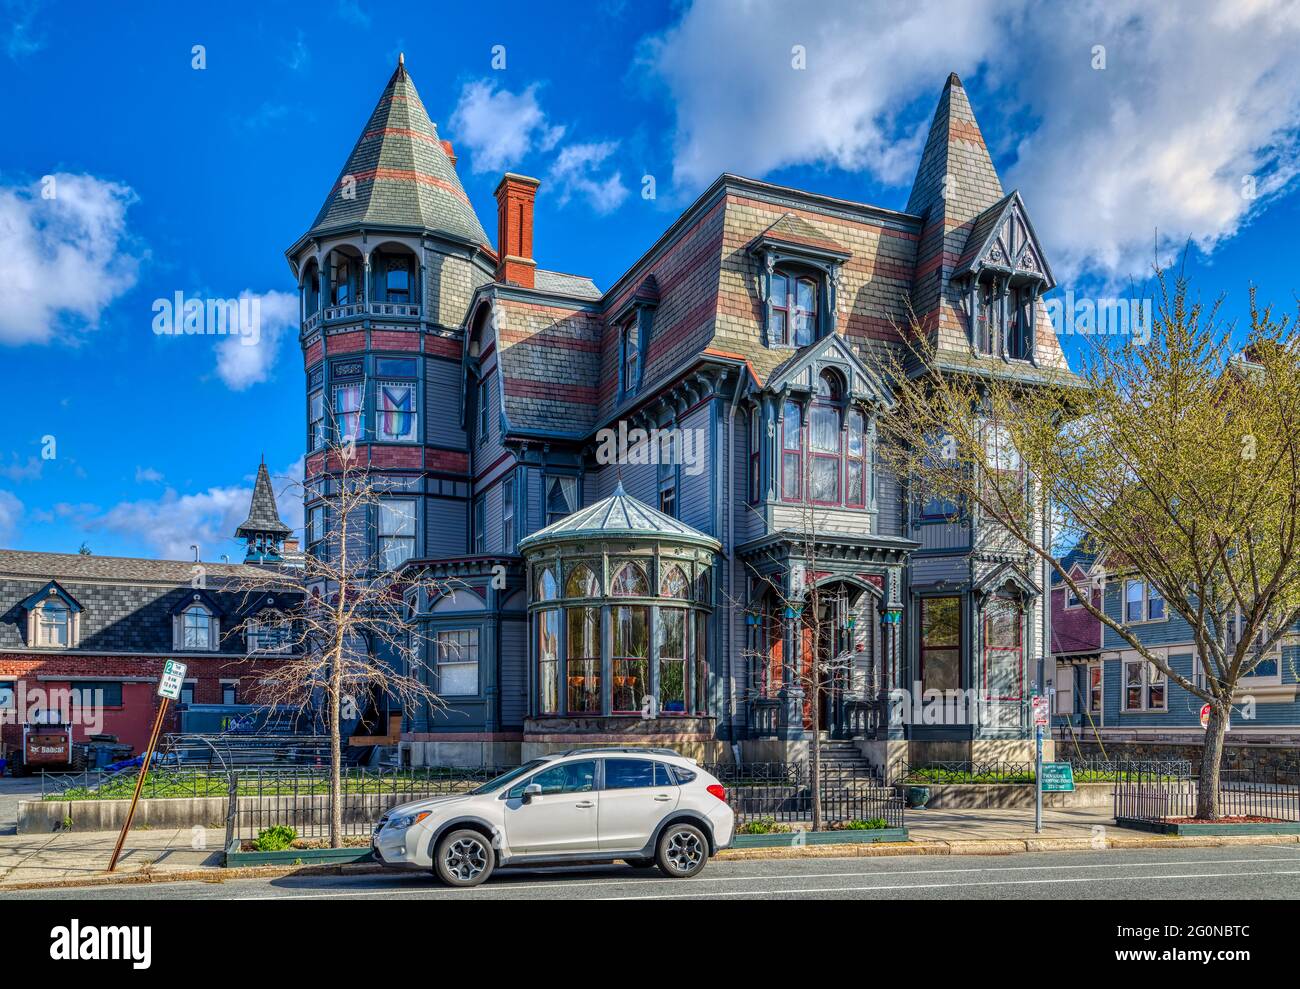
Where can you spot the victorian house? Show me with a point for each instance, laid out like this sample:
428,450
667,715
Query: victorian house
653,597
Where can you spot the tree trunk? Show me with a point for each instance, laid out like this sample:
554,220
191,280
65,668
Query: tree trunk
336,760
1207,795
815,756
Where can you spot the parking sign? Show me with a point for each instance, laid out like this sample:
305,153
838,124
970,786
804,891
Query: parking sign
172,679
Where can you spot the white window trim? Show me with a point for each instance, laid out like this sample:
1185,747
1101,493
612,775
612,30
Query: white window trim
1146,603
34,627
1148,671
178,630
1082,580
439,663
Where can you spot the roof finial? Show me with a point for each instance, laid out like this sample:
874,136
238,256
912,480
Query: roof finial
401,58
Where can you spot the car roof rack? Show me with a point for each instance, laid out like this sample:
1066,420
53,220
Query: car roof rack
635,749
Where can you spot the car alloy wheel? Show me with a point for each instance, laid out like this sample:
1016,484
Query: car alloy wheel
682,851
464,859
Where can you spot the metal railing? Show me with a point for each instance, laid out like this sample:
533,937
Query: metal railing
1243,796
264,797
781,793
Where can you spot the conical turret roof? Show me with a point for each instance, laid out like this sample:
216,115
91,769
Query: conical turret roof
399,174
263,516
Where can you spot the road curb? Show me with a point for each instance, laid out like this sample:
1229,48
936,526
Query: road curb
963,846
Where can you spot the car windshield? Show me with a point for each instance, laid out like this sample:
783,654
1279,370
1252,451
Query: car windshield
510,777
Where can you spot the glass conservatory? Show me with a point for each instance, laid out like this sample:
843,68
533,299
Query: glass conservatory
620,608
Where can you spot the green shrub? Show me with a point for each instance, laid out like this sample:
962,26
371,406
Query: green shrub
857,824
763,825
275,839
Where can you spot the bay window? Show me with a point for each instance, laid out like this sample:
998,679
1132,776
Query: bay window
316,420
824,443
397,413
941,643
347,411
548,661
396,532
456,655
791,451
631,646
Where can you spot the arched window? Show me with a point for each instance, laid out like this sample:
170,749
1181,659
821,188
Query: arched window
196,628
791,451
793,316
397,279
825,442
52,623
855,461
547,588
581,583
673,583
630,582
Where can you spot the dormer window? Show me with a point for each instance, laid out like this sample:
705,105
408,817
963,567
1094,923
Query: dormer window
397,280
792,316
631,356
198,628
53,624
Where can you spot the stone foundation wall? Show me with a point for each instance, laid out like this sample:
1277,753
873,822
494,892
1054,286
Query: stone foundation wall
1248,757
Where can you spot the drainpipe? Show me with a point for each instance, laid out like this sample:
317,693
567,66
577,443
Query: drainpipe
730,507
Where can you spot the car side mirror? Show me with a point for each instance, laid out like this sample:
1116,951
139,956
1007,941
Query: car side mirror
532,790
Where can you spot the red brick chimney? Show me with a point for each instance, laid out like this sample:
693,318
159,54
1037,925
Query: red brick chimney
515,197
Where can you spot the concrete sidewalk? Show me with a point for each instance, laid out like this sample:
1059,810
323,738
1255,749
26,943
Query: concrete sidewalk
71,855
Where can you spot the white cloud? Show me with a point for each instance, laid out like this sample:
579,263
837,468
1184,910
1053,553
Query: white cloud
22,470
18,38
246,360
147,475
11,510
352,13
170,524
66,257
500,127
574,171
1195,98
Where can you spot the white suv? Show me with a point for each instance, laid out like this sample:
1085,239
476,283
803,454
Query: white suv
644,806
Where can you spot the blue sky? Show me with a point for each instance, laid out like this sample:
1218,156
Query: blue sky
171,178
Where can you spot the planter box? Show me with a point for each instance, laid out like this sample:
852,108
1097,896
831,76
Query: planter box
1166,827
966,796
296,856
795,839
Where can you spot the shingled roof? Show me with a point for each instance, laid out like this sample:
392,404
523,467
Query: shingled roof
263,516
402,172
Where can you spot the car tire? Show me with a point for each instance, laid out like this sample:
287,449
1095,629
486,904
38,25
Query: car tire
463,858
682,851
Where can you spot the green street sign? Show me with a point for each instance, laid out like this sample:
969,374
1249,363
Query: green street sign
1058,777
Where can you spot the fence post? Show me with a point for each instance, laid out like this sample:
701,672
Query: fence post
232,806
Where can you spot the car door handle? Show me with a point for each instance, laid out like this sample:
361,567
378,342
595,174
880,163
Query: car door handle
584,805
662,796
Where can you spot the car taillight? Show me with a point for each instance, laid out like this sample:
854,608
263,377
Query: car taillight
718,790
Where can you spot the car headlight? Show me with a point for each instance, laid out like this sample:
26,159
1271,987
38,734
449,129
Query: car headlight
406,821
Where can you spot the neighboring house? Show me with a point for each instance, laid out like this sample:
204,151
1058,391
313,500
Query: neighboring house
593,599
1076,643
102,627
1121,702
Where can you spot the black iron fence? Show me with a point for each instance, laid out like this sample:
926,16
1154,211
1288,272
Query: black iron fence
1151,796
779,794
1084,770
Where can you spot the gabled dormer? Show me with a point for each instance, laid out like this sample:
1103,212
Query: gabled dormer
798,281
196,622
1003,272
53,618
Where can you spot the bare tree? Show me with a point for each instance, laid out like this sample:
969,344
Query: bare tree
1177,456
349,635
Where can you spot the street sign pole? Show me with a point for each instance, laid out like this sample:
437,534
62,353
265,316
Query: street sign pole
1038,780
139,783
169,689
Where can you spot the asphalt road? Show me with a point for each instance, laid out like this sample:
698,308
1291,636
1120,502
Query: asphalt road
1244,872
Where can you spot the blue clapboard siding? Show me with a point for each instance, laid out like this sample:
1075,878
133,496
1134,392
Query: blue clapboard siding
695,483
444,403
446,526
514,675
